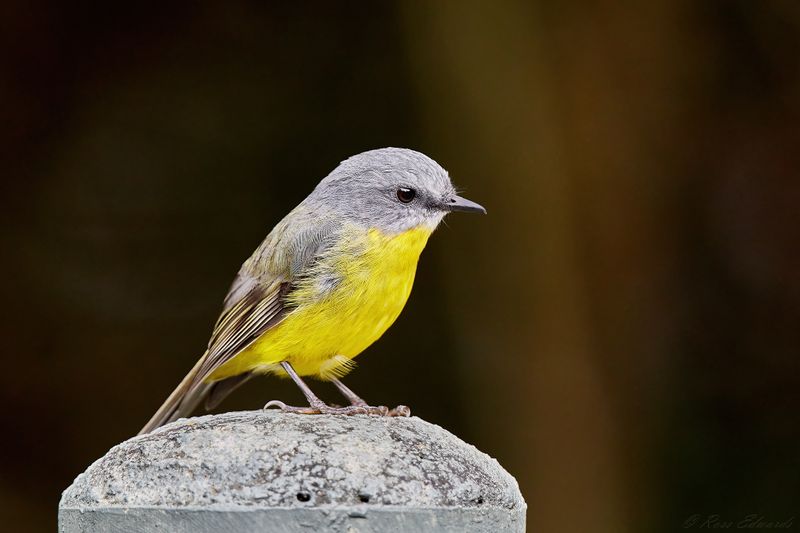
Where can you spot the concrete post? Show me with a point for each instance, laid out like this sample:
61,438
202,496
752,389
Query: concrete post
274,472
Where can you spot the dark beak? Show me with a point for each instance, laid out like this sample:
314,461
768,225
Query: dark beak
457,203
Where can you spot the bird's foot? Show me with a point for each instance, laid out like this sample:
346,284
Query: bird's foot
400,410
382,410
324,409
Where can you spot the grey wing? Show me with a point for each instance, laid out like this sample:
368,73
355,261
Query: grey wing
256,302
257,311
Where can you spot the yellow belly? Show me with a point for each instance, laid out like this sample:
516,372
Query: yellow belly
322,334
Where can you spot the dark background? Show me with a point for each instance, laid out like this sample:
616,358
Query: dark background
622,331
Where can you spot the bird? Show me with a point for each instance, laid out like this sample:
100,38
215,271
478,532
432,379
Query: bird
327,281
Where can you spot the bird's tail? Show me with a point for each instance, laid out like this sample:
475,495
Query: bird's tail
183,400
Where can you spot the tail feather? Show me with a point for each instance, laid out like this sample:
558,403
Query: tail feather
183,400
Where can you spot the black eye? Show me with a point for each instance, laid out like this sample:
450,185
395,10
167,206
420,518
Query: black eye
405,195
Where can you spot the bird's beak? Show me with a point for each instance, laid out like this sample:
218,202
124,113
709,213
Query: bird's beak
457,203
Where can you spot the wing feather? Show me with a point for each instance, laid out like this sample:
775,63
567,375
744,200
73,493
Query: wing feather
256,302
258,311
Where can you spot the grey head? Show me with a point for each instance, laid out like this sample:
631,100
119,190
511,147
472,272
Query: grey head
391,189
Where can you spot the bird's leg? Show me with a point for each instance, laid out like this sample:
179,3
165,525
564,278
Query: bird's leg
356,400
313,401
315,405
351,396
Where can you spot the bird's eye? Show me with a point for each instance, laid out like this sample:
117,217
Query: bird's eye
405,195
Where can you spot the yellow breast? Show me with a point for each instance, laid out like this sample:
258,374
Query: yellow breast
345,304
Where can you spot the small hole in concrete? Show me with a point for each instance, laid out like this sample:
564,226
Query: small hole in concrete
303,496
363,498
479,501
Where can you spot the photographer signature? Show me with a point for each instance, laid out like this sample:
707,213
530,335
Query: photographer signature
750,521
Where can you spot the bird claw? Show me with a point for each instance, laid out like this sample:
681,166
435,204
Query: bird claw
317,409
290,408
400,410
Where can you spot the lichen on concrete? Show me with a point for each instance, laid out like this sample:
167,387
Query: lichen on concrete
269,460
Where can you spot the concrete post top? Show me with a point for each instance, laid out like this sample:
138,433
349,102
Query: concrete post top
269,460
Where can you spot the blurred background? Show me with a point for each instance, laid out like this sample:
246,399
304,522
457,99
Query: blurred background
622,331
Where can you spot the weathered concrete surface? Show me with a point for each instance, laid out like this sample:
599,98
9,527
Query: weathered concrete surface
271,471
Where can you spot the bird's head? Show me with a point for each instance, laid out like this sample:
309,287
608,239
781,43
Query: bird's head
392,189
